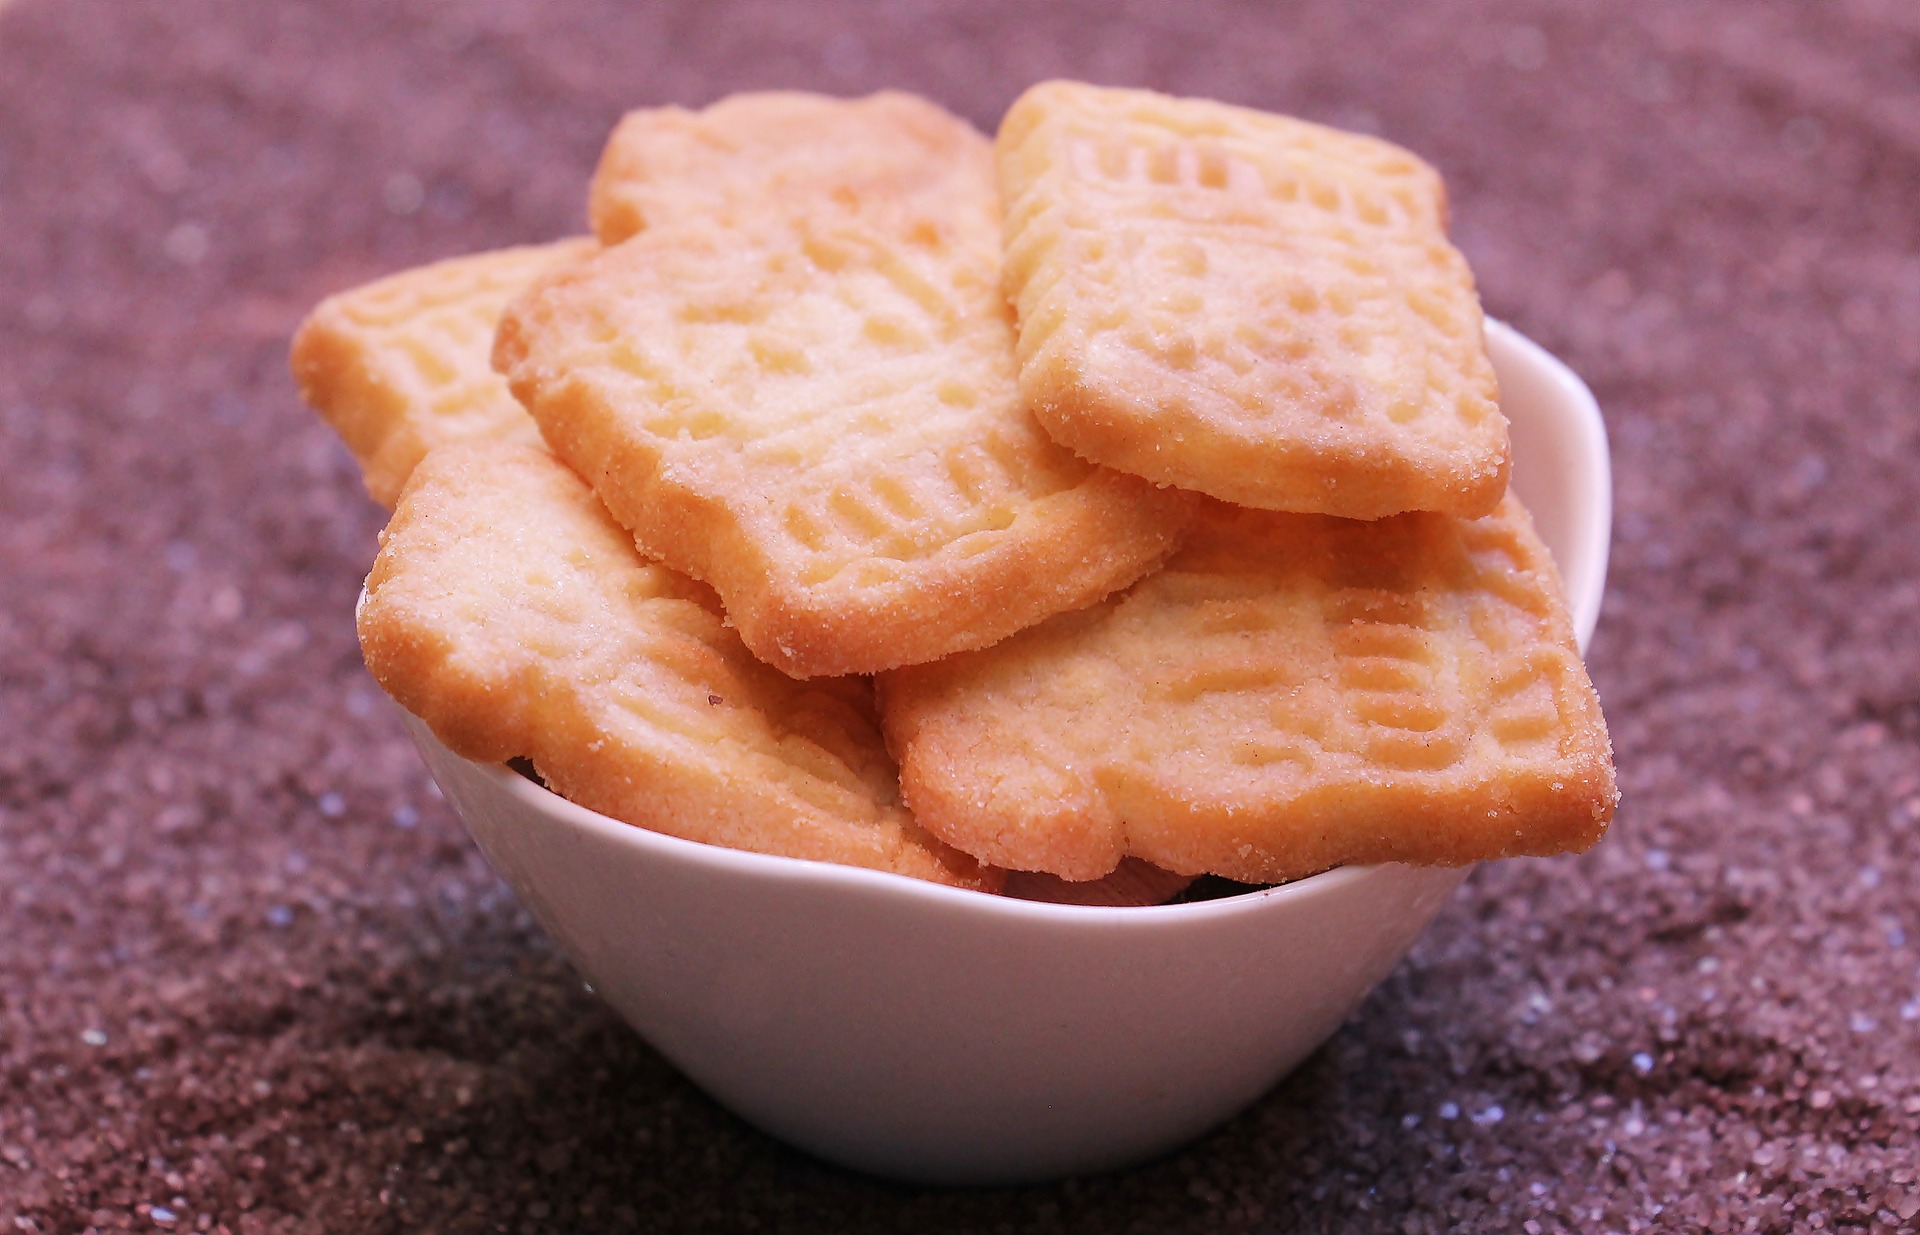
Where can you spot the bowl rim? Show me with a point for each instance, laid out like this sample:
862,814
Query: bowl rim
1587,428
747,864
1584,425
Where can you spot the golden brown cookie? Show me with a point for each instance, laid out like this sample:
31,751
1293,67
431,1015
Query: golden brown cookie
1245,304
751,151
401,365
1292,693
513,616
816,412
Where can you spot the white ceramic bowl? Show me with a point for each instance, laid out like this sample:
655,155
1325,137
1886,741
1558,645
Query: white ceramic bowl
938,1035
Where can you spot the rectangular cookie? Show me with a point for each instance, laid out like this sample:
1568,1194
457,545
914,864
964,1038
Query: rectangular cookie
513,616
402,365
666,164
814,409
1262,309
1291,693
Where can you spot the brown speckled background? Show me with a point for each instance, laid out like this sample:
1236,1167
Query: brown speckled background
254,978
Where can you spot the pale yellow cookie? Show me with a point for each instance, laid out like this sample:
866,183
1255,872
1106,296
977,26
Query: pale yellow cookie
513,616
817,414
1291,693
400,366
1262,309
751,151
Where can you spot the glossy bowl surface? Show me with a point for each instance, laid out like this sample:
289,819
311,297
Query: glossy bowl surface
944,1036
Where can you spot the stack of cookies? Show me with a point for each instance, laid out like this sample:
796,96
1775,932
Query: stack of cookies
1114,502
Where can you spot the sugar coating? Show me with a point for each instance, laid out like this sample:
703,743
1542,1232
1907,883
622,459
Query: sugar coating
888,150
401,365
816,411
512,615
1248,305
1292,693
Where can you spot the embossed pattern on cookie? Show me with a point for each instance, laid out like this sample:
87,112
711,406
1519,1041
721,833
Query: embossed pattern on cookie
1245,304
402,365
508,611
889,151
1291,693
819,416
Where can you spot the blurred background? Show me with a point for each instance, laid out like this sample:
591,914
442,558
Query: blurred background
254,978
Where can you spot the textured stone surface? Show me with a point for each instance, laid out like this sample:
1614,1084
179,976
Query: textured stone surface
252,975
